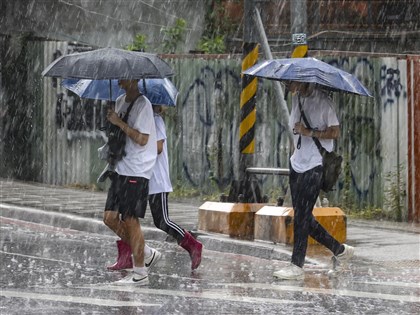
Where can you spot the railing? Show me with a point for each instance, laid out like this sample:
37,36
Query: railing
268,171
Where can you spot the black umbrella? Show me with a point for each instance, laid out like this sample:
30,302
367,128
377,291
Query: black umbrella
109,63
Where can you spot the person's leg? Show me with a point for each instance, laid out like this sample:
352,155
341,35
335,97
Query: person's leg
304,197
133,204
318,233
112,220
135,239
159,208
111,216
305,188
124,258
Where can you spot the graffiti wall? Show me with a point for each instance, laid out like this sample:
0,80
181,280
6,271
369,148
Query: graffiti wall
206,128
70,128
377,141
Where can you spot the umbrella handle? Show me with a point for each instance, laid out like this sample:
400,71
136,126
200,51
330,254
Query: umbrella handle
111,105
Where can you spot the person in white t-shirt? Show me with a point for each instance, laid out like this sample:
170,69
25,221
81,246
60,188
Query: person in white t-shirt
159,188
306,169
127,196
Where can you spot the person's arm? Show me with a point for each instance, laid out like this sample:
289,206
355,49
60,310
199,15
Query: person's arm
332,132
160,146
135,135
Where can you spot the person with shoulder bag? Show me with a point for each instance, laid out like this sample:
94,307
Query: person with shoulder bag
128,194
159,188
306,177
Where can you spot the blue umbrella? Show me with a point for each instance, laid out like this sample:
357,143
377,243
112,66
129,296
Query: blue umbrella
158,91
309,70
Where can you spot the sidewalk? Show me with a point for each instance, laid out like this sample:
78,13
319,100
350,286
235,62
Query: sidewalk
381,242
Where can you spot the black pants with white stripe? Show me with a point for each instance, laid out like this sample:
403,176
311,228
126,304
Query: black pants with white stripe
159,207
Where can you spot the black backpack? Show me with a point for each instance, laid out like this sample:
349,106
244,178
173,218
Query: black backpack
117,139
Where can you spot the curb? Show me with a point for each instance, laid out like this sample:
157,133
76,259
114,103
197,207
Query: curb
386,225
220,243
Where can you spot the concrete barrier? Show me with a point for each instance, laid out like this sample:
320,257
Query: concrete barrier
233,219
276,223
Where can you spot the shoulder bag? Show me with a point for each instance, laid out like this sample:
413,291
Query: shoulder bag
331,161
116,140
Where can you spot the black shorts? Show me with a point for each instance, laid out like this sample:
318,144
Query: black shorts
128,195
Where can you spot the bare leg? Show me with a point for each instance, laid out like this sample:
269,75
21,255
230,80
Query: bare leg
136,240
112,220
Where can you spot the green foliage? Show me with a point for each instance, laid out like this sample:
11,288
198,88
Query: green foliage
348,199
218,26
182,191
217,21
395,194
174,36
394,198
346,193
214,45
369,213
89,187
139,43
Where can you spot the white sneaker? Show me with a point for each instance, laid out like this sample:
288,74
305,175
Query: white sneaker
346,255
136,279
340,261
150,261
291,272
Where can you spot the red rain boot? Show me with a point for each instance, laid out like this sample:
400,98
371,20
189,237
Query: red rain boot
124,260
194,248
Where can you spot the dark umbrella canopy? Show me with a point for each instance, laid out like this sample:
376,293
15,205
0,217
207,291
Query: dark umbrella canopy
109,63
309,70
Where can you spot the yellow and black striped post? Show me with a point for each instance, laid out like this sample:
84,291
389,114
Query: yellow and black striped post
247,189
248,113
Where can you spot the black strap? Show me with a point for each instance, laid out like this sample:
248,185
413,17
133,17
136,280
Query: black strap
305,120
125,118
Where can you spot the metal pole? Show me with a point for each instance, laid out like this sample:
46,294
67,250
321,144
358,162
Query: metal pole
284,111
298,16
298,20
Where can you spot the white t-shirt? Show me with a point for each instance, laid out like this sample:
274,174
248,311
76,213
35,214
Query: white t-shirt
139,160
160,180
320,113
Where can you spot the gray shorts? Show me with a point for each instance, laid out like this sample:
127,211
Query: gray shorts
128,195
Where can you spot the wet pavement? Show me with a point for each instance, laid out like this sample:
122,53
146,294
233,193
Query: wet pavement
53,262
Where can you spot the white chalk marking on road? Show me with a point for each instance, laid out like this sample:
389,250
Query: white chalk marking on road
350,293
36,257
393,284
175,276
72,299
213,294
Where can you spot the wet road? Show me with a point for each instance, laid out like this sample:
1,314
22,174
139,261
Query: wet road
51,270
